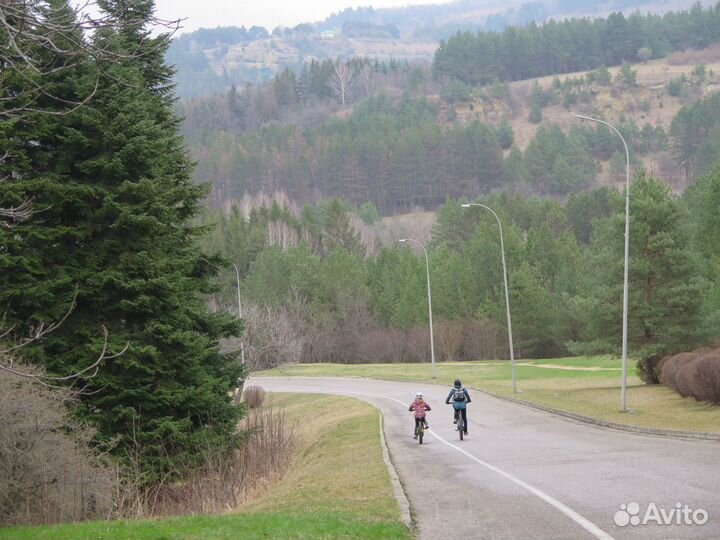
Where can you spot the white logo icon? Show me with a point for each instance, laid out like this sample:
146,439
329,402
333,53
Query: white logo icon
628,513
680,514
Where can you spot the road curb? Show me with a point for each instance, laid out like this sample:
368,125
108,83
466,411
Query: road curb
398,490
668,433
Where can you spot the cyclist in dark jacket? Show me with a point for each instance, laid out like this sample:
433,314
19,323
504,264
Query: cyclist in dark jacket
460,398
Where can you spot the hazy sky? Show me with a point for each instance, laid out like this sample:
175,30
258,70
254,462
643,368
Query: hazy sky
267,13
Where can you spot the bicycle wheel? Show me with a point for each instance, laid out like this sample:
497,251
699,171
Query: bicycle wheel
420,433
461,426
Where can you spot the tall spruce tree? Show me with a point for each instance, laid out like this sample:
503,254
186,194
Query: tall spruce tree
111,185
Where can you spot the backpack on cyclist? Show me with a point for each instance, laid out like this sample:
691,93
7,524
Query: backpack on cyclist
459,394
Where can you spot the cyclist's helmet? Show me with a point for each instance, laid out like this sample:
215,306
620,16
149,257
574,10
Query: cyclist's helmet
418,394
458,384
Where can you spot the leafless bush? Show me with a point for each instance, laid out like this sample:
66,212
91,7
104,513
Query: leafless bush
417,226
49,472
448,340
382,345
417,344
480,341
254,396
227,479
353,343
273,336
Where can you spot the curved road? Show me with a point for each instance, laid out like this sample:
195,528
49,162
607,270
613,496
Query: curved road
525,474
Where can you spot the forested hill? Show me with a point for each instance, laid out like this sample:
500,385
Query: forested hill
211,60
574,45
401,136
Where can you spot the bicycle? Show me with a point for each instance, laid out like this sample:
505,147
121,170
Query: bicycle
460,423
420,431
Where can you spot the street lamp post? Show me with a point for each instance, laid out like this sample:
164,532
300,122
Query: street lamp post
623,391
507,293
427,271
242,348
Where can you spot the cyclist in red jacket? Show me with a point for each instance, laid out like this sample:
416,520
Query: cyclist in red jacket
420,407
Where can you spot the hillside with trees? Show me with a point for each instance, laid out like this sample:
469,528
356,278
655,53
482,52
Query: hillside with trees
303,167
313,294
404,140
211,60
574,45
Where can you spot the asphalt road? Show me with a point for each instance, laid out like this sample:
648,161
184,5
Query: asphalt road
526,474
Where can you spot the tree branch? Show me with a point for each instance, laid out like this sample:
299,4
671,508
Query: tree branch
42,331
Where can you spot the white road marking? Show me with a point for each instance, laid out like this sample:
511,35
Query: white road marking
586,524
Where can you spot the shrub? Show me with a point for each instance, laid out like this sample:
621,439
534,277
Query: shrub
368,213
695,374
647,369
644,54
706,385
699,71
602,76
675,87
49,469
254,396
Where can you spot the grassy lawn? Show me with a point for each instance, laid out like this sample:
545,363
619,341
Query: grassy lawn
338,487
589,386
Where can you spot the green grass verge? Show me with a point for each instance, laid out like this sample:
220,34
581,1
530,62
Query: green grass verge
589,386
275,525
338,487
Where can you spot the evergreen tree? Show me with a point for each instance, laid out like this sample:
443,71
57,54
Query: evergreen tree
115,199
665,285
535,319
703,198
505,134
337,231
535,115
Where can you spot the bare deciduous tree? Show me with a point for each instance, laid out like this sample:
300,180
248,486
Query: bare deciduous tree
282,235
272,336
49,471
366,80
341,81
